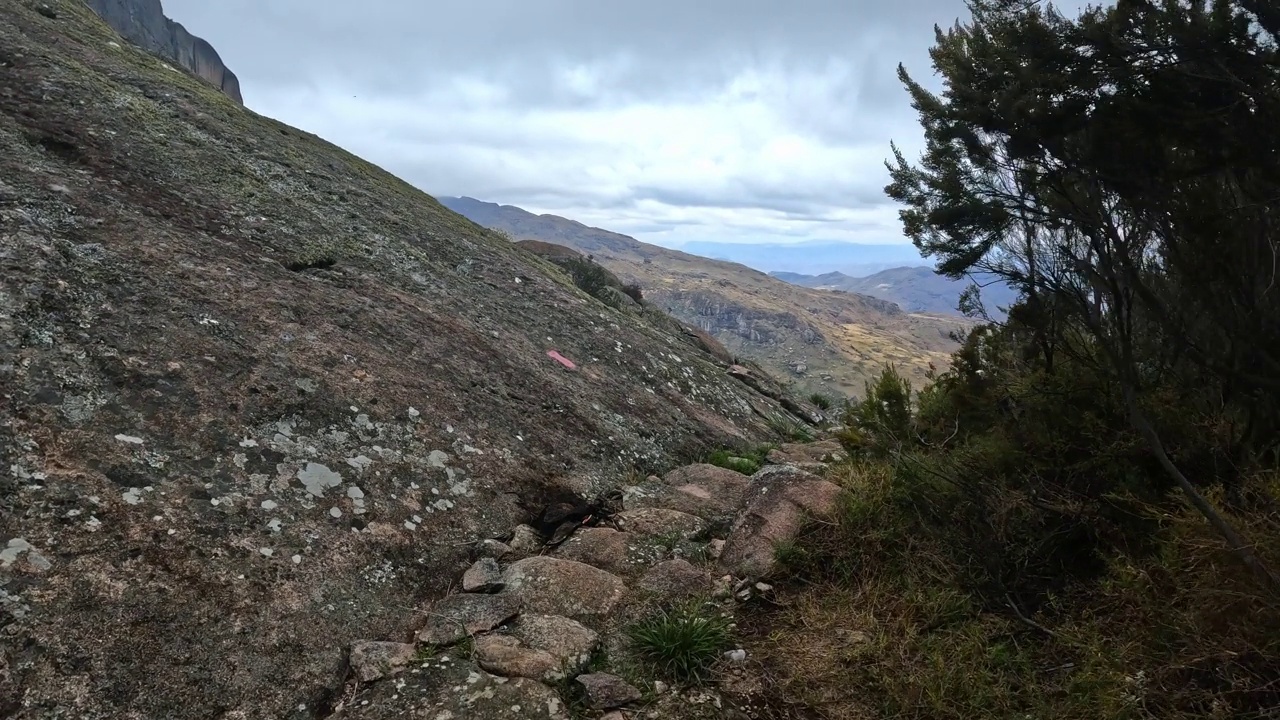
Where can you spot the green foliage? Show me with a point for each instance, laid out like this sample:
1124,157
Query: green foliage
746,460
1014,545
682,643
881,422
820,401
594,279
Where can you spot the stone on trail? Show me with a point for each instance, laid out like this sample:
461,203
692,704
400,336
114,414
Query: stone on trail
372,660
449,688
783,497
620,553
459,616
656,522
541,647
707,491
605,691
554,586
677,579
483,577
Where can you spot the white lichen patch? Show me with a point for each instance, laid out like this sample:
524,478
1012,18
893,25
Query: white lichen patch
131,439
317,478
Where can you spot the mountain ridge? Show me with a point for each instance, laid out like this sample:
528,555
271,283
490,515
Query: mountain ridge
914,288
829,343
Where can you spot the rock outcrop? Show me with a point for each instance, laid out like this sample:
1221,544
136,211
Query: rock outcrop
260,401
143,23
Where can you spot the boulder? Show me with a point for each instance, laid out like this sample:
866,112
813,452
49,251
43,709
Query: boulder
658,522
555,586
783,496
676,579
542,647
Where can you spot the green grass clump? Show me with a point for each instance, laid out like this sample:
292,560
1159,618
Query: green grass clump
820,401
745,460
681,643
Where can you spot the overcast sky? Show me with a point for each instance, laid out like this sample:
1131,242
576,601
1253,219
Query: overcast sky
670,120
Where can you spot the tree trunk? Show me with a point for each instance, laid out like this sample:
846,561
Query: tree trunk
1239,546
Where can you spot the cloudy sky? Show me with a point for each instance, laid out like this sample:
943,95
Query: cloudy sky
671,120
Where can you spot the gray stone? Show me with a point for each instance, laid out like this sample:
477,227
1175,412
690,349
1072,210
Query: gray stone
605,691
660,522
561,587
542,647
784,498
372,660
677,578
525,539
483,577
459,616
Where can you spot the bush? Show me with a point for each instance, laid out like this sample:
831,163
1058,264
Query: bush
634,292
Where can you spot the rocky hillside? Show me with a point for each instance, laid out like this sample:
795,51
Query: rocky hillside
821,341
144,23
260,400
914,289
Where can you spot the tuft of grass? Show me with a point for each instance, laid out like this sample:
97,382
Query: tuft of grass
745,460
820,401
790,430
681,643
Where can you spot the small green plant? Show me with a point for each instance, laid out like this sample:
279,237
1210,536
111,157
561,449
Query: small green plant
681,643
789,430
820,401
728,460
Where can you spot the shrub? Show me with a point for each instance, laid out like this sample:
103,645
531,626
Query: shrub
634,292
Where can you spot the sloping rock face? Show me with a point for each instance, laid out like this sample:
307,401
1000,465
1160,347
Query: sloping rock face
260,400
144,23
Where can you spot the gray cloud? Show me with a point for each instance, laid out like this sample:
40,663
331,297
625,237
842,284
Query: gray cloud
674,120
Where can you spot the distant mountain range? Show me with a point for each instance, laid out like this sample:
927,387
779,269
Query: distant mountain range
821,341
815,257
914,289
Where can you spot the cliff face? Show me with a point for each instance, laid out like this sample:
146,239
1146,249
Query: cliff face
143,23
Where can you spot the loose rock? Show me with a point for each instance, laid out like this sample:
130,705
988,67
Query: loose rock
605,691
561,587
459,616
483,577
525,540
372,660
660,521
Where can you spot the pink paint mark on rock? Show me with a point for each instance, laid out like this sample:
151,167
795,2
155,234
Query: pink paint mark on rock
561,359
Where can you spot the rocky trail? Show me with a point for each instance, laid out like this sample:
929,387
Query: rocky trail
535,626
